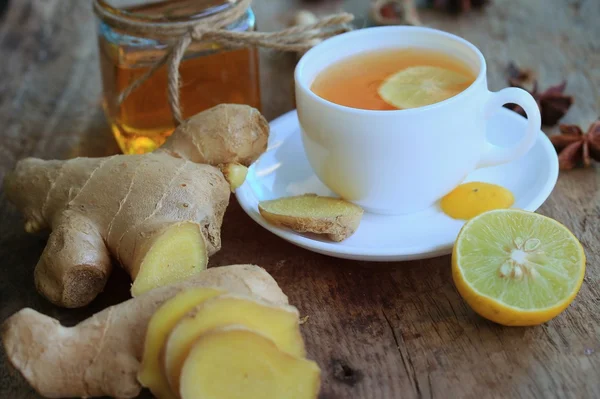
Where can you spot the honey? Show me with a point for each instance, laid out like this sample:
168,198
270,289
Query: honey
210,75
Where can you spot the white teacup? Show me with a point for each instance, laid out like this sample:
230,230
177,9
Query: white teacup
396,162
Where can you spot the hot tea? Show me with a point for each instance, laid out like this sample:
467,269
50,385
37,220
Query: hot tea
393,79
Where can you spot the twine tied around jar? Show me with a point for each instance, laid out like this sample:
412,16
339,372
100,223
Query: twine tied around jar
296,39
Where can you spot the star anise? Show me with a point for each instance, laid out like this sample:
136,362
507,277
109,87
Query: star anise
520,77
553,103
458,5
575,148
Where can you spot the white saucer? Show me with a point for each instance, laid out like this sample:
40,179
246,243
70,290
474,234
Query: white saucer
283,170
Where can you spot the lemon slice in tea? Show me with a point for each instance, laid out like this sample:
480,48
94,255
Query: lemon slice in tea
517,268
422,85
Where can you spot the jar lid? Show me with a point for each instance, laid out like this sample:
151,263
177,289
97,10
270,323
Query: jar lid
176,16
164,11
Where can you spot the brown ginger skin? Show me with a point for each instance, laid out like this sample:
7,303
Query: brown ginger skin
335,218
117,206
101,355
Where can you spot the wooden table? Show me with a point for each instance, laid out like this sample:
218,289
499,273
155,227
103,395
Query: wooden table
377,330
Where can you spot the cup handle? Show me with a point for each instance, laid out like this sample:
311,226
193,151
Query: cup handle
495,155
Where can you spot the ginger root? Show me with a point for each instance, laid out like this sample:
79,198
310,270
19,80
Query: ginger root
336,218
141,209
101,355
277,322
233,362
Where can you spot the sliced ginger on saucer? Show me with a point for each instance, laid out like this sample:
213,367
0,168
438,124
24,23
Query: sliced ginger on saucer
336,218
422,85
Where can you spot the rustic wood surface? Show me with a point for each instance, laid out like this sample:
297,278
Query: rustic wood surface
377,330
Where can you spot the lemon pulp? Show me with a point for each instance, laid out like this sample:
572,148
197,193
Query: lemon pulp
516,267
419,86
471,199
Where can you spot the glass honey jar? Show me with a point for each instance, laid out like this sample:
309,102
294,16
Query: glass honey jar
210,74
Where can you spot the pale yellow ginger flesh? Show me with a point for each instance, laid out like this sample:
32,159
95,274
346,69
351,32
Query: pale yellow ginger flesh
336,218
121,206
159,327
234,362
279,323
101,356
177,253
235,174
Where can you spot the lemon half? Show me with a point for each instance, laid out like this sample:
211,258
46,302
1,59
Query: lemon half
422,85
517,268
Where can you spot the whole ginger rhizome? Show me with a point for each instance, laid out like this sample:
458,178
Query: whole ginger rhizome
158,214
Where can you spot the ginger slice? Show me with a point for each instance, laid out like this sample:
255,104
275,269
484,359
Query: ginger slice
159,327
174,255
336,218
279,323
234,362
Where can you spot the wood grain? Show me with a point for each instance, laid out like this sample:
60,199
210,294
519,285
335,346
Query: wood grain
397,330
